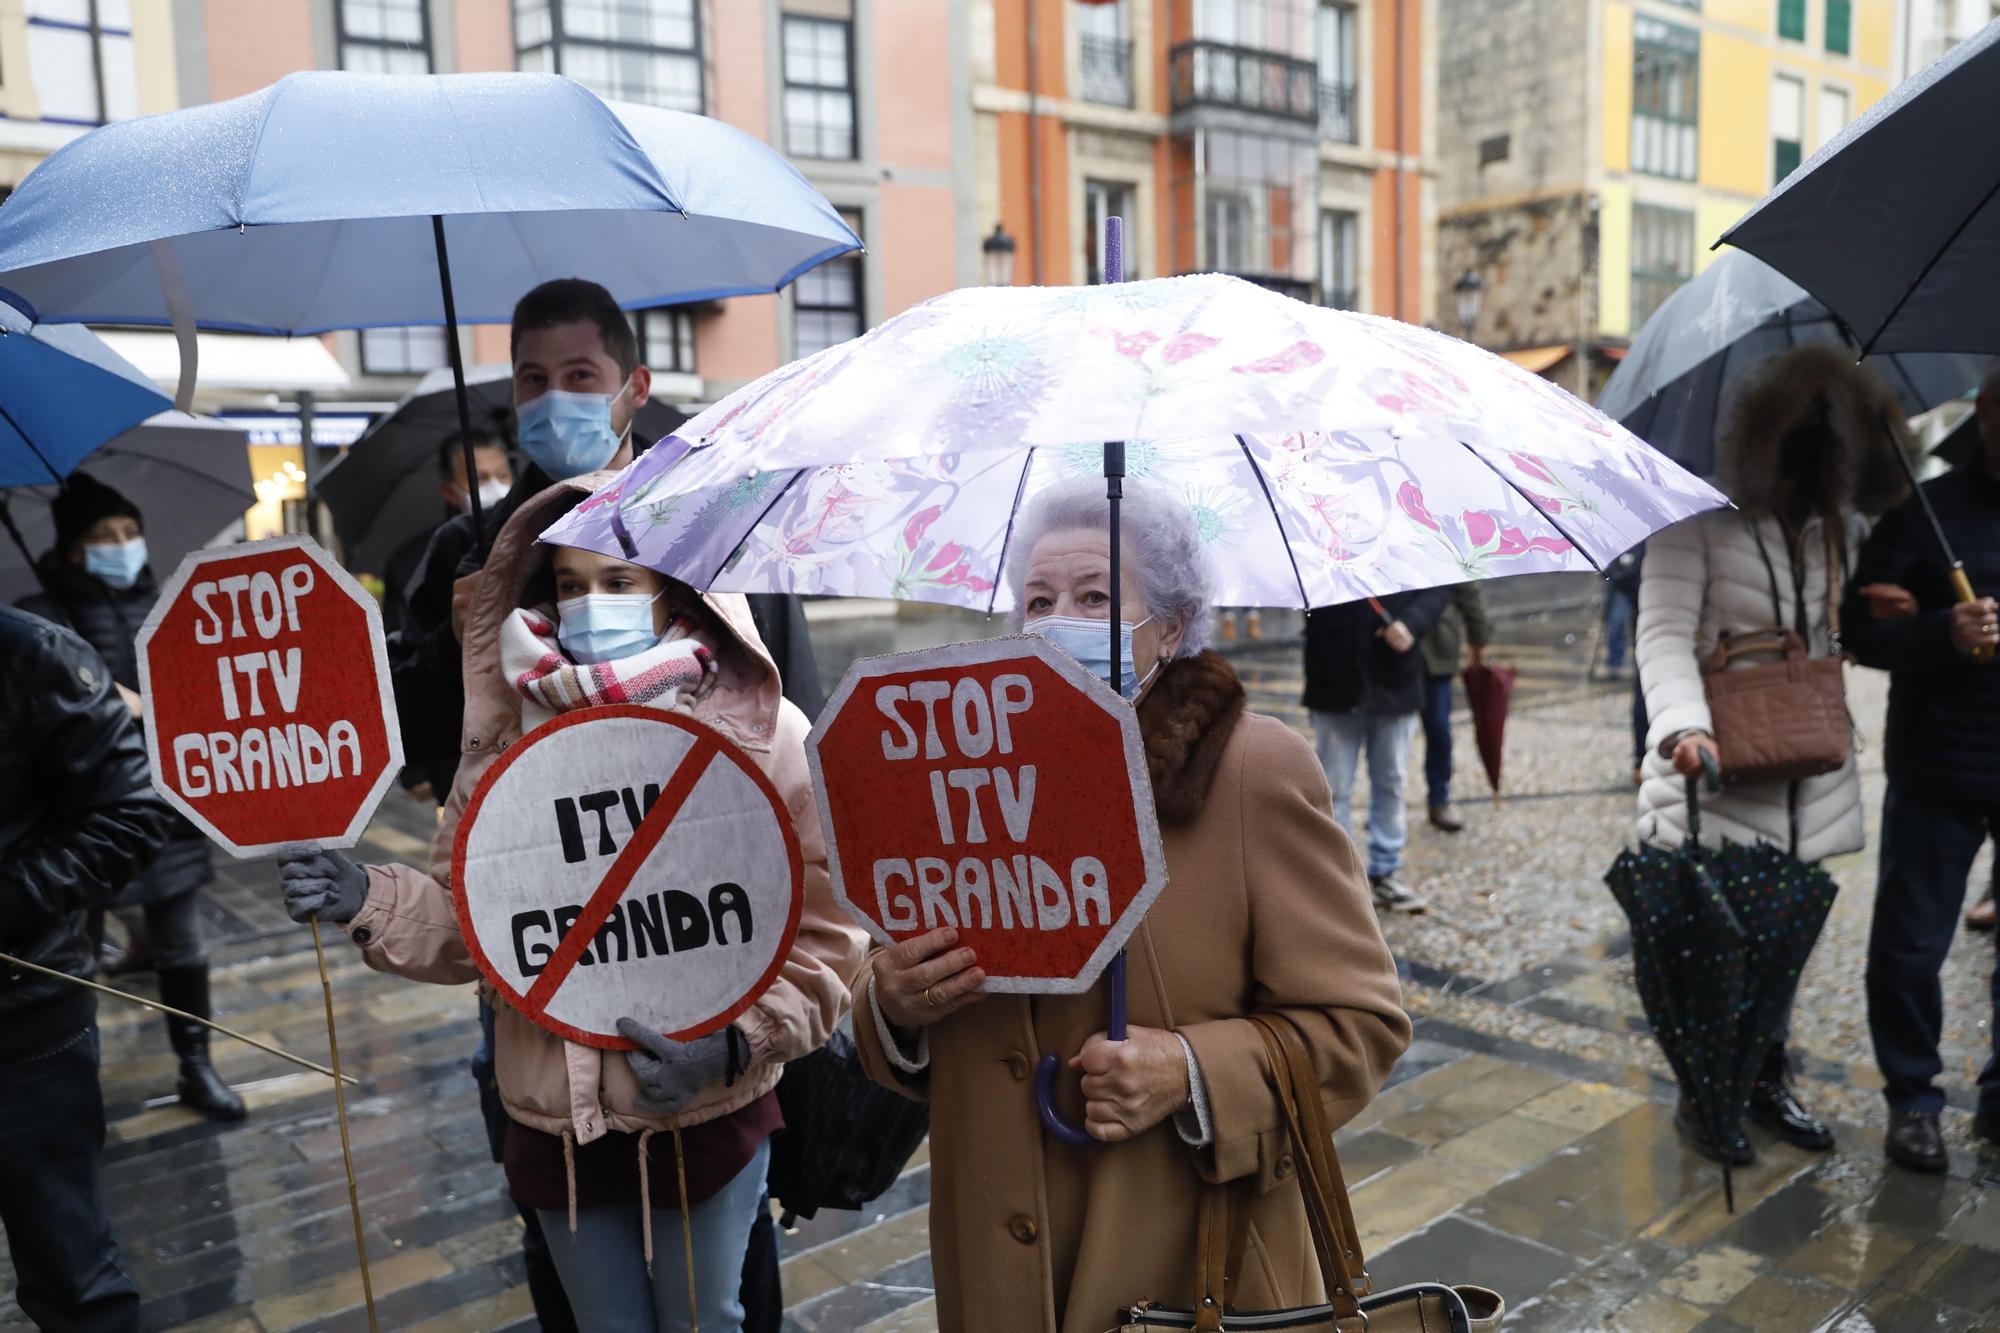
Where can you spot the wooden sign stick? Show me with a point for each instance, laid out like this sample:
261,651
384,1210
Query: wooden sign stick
346,1149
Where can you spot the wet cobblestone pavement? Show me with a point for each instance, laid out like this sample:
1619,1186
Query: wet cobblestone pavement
1526,1141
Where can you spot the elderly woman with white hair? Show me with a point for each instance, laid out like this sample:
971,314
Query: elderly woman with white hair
1266,910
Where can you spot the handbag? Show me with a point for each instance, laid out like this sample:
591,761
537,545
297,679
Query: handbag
846,1137
1787,720
1424,1307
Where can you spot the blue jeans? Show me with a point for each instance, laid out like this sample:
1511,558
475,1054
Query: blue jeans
1928,846
1340,738
51,1200
603,1265
1437,738
1621,613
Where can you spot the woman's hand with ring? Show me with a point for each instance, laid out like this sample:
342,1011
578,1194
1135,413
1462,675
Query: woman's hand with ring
919,981
1129,1086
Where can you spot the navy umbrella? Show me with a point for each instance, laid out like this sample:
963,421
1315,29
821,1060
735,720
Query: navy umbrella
1677,384
62,394
1895,224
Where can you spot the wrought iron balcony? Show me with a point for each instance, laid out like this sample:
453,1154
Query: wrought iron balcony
1105,69
1338,105
1240,78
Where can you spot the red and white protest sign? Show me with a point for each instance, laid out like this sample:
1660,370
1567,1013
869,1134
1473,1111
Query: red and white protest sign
996,787
270,721
623,862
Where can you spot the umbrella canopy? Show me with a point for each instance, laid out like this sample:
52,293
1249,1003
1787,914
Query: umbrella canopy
1488,689
1676,386
893,465
1718,939
1895,224
384,491
62,394
191,476
307,206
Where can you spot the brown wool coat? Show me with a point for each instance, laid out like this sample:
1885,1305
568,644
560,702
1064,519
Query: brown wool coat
1266,907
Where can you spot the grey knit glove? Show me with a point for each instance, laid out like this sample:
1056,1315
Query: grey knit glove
670,1073
321,886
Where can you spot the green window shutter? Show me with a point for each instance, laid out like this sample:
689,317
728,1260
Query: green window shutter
1785,158
1792,19
1839,25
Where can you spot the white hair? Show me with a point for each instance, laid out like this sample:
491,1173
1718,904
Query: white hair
1161,542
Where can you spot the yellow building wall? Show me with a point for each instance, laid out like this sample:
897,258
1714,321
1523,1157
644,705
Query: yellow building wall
1712,217
1749,15
1874,34
1617,84
1735,143
1614,258
153,56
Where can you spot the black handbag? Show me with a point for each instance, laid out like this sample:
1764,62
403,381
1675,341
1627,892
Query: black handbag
846,1137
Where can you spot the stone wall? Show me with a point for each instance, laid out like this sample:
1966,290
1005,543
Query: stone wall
1514,93
1536,260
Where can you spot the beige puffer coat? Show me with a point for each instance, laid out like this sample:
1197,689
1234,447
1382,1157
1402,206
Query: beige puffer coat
409,926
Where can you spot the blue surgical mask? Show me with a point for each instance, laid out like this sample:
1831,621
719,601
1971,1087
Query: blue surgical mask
1089,642
568,434
117,563
605,626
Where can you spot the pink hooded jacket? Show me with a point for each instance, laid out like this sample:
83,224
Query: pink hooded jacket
409,926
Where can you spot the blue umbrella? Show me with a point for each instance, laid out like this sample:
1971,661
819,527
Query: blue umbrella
62,394
326,202
1675,388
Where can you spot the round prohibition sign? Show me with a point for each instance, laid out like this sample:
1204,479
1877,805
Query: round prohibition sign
620,861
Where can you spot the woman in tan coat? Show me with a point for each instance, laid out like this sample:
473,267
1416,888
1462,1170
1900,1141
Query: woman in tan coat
1266,908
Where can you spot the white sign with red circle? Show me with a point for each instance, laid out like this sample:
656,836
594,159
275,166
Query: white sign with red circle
270,720
623,862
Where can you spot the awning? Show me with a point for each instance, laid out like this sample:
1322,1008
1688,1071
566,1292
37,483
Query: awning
234,361
1535,360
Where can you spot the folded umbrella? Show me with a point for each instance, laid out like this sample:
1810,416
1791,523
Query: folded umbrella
846,1137
1718,939
1488,690
191,475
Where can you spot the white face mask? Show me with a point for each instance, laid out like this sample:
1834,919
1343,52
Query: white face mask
1089,642
491,492
605,626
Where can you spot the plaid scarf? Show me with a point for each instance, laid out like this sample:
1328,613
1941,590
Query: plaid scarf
531,658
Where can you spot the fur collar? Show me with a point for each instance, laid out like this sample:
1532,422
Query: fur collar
1788,390
1186,720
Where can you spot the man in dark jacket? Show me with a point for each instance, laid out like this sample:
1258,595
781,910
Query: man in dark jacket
78,818
1364,685
98,581
1464,625
1943,762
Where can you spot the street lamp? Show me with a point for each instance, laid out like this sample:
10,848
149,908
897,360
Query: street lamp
997,254
1470,289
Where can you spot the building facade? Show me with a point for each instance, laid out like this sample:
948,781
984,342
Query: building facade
1287,141
1595,149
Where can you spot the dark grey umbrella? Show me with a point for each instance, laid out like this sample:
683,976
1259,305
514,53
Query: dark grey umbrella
190,476
1678,382
385,490
1895,224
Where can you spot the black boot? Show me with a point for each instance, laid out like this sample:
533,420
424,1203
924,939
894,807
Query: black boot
200,1088
1735,1152
1774,1106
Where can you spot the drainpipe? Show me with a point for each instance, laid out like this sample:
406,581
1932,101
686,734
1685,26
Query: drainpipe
1034,152
1396,247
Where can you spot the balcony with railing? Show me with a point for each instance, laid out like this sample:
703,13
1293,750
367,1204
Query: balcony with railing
1243,79
1339,298
1104,67
1339,107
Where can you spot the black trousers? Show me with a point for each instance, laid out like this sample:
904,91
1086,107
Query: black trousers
1928,846
51,1200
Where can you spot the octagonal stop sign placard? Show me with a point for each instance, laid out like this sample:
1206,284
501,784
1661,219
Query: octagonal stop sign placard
270,720
998,788
621,862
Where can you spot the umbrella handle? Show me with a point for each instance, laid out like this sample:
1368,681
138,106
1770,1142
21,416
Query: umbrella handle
1713,772
1961,587
1045,1073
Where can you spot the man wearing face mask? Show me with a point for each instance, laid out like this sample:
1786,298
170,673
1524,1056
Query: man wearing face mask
96,580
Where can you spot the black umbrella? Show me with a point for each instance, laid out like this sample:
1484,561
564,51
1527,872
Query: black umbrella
1718,940
846,1137
385,491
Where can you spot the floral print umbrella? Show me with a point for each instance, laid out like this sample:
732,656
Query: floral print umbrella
1327,456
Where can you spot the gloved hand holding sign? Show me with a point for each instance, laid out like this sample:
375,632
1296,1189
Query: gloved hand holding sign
671,1072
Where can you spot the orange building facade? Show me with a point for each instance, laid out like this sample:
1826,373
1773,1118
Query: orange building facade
1288,141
